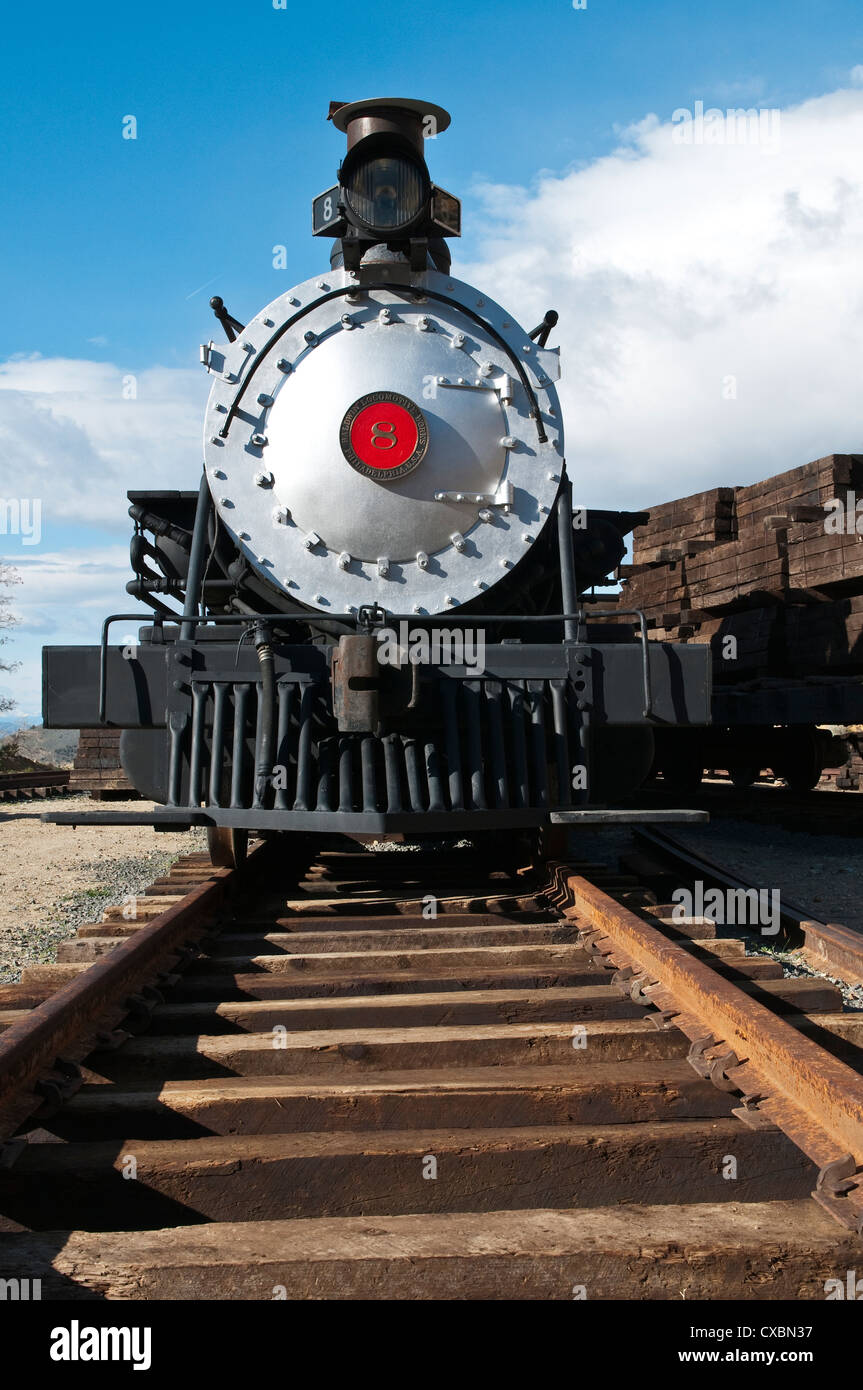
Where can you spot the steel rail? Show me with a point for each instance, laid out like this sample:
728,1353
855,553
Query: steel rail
13,781
826,945
31,1047
810,1095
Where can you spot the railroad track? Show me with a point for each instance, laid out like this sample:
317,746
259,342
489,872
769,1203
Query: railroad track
244,1087
665,863
24,786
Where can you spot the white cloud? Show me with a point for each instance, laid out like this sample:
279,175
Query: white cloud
78,434
857,75
62,599
673,267
676,267
65,591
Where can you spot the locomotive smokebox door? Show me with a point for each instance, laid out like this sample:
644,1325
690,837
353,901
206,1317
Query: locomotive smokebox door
377,442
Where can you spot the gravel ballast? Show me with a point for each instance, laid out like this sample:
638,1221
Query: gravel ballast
823,874
53,878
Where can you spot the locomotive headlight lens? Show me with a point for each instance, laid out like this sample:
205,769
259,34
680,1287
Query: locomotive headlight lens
387,192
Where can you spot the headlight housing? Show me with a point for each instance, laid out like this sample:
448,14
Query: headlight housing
386,192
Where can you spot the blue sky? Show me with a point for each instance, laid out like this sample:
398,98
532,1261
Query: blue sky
111,247
105,238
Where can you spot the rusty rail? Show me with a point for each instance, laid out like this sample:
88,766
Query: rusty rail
783,1076
13,781
36,1045
826,946
16,784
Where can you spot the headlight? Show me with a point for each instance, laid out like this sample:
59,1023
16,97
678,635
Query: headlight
386,192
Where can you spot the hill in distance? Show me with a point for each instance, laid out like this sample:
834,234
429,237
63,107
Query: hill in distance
30,749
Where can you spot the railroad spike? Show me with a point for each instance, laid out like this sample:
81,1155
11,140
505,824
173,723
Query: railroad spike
838,1178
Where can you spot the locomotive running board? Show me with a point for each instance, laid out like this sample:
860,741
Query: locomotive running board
365,822
600,817
327,822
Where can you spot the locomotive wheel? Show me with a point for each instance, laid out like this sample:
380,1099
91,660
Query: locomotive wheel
743,776
800,761
800,779
227,846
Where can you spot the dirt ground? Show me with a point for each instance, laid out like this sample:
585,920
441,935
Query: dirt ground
53,877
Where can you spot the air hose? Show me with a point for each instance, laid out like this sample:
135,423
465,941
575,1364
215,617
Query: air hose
264,768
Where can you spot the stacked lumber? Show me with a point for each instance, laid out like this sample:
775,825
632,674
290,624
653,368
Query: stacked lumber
756,644
827,636
845,779
97,768
754,563
658,590
766,565
848,777
706,518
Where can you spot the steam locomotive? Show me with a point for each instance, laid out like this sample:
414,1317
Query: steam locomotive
375,613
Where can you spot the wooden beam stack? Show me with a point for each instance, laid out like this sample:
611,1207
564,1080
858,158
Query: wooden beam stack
762,564
97,768
706,518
